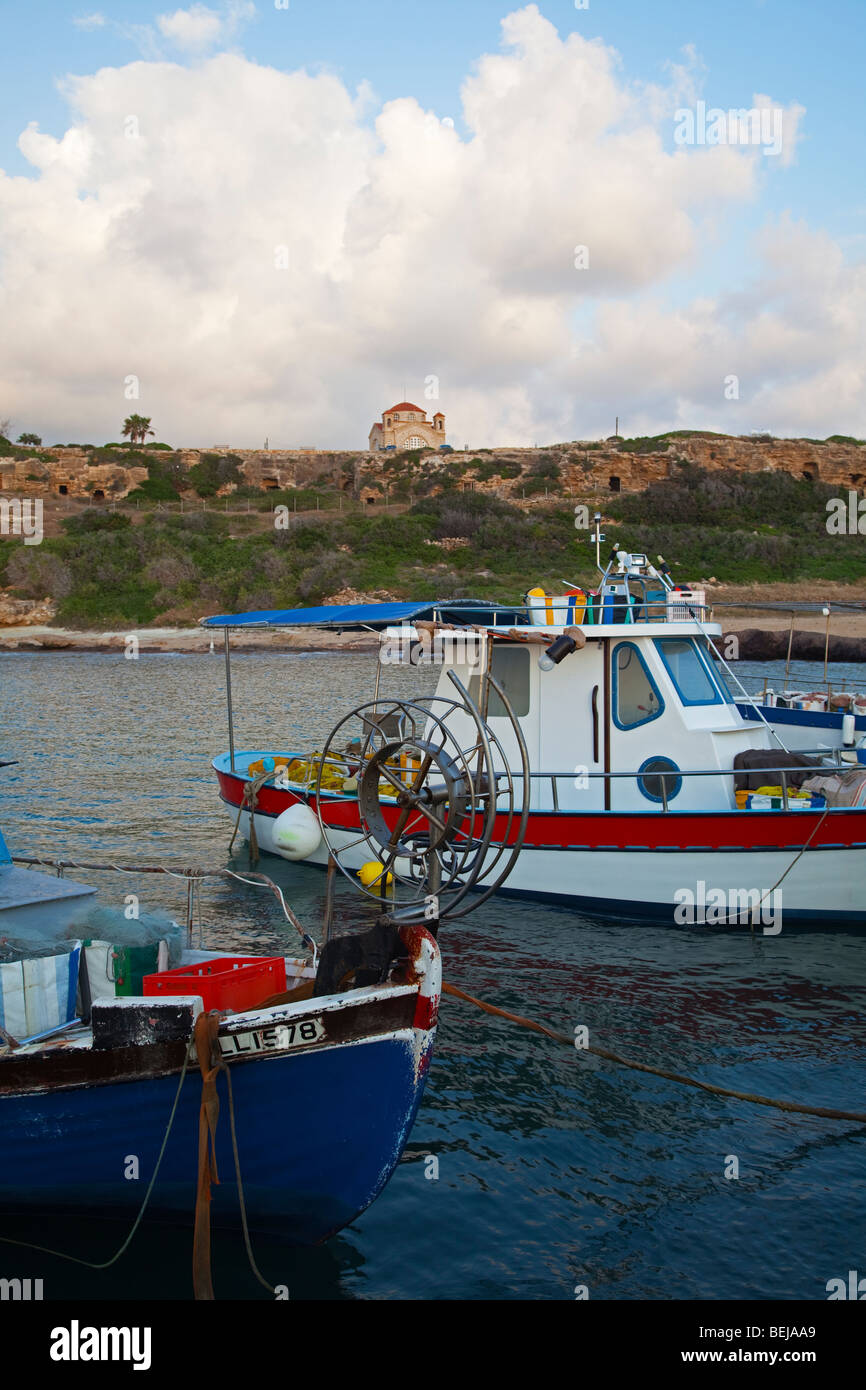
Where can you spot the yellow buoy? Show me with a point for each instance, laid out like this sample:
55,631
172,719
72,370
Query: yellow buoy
370,874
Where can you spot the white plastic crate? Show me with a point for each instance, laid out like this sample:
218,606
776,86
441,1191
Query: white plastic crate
680,601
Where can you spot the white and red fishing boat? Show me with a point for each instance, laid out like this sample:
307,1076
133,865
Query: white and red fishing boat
652,795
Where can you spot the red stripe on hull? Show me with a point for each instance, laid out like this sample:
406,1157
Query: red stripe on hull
613,830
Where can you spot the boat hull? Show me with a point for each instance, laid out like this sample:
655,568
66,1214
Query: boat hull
635,864
324,1092
319,1135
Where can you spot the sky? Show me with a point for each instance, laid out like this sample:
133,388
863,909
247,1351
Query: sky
273,219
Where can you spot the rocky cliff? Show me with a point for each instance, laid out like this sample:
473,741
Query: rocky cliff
581,467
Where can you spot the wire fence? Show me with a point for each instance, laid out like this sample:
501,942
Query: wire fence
324,504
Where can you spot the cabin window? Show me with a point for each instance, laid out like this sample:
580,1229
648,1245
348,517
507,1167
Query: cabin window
636,698
688,670
510,666
656,774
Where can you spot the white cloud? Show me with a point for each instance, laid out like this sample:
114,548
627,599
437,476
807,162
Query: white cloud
197,27
89,21
411,251
790,120
200,28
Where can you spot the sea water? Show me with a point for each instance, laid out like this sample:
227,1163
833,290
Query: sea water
534,1170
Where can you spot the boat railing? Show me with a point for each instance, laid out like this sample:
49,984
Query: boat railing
822,687
830,759
661,606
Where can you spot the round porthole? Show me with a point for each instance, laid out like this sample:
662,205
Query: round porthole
653,774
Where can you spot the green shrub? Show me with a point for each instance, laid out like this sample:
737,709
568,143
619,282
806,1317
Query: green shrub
214,471
644,444
155,490
332,572
87,522
37,573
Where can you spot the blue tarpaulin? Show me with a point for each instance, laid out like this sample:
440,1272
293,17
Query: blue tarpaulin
372,615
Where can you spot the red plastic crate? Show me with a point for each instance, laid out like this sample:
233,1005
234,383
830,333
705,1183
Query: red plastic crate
226,982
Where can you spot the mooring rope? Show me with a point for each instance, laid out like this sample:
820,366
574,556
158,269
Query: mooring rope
788,1105
726,921
106,1264
254,880
212,1063
241,1199
249,802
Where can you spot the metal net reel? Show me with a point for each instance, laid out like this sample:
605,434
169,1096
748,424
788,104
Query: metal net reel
436,817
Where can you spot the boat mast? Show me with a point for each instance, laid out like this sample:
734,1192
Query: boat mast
229,702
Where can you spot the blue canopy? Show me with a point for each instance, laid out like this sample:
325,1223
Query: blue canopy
373,615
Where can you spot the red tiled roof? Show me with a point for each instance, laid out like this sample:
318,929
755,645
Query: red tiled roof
377,425
404,405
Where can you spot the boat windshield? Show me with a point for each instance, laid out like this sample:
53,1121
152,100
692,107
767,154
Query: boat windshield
690,671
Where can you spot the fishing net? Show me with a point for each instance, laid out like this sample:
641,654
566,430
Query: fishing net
54,931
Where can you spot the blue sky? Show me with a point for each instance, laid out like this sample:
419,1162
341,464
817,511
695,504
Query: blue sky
795,50
727,263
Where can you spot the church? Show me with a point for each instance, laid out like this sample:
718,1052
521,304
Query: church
405,426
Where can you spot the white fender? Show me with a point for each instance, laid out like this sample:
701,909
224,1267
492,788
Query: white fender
296,832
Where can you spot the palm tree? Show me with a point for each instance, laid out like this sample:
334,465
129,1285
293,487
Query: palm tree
28,438
137,427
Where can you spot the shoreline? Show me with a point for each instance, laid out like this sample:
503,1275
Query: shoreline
178,641
769,642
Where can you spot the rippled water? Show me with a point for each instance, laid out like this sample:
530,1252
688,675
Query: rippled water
554,1169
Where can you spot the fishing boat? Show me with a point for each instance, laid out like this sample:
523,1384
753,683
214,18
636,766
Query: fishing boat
106,1092
653,794
829,713
34,898
828,717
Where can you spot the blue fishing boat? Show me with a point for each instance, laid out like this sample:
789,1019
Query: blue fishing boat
318,1061
324,1092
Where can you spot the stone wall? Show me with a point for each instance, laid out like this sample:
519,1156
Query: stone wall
585,467
68,473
